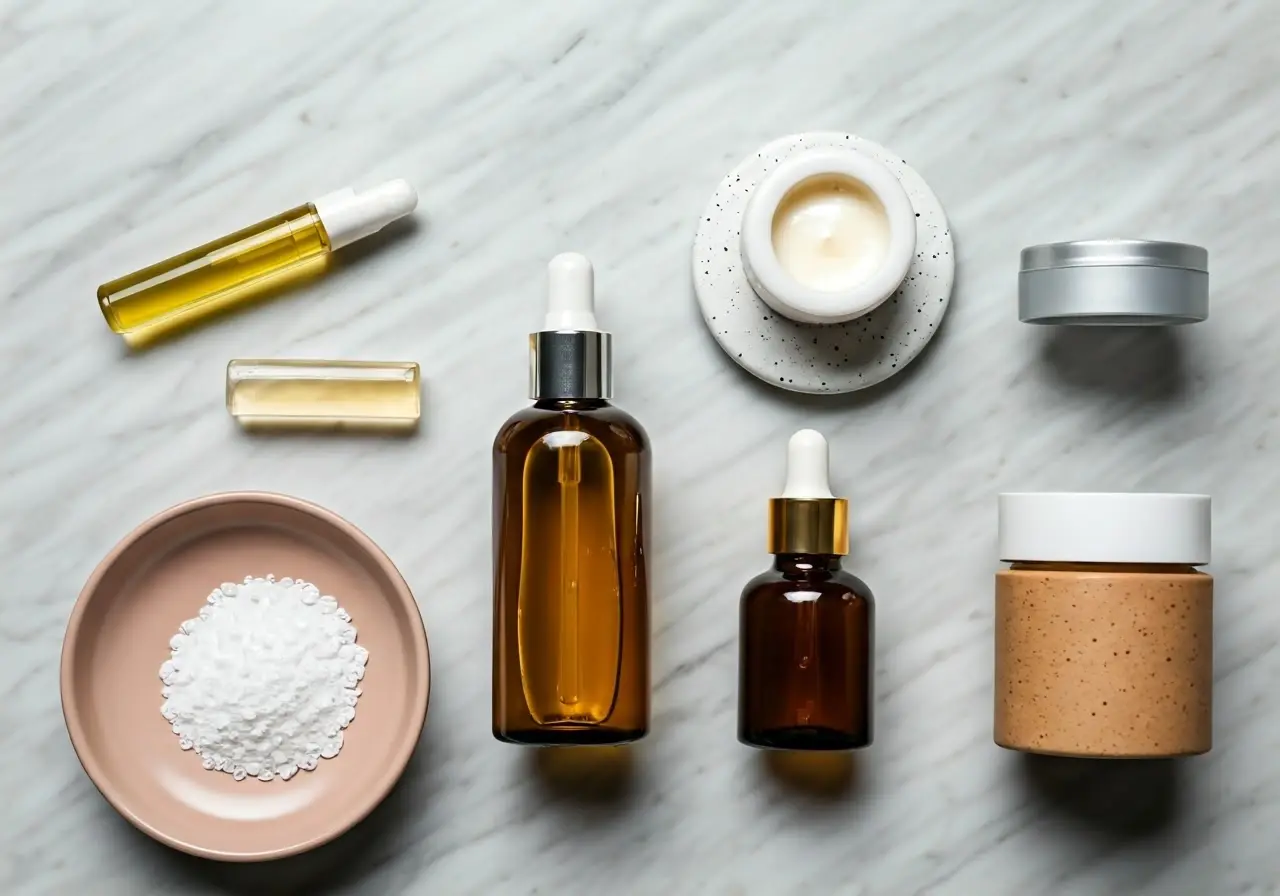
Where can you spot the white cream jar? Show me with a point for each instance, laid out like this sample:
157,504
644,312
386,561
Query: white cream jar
827,236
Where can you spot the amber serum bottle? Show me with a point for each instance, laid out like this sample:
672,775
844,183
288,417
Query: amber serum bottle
570,495
807,626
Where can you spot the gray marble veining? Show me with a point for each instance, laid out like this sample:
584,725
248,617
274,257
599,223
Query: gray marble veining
130,131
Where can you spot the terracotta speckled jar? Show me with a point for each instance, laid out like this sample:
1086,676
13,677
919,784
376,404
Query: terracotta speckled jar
1103,625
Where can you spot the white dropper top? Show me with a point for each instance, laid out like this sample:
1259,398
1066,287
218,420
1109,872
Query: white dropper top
571,300
808,466
348,216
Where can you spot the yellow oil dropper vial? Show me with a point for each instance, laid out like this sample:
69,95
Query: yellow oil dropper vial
250,263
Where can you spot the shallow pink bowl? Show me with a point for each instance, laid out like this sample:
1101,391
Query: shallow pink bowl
119,635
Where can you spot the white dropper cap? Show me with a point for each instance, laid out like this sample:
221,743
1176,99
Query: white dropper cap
570,357
571,300
348,216
808,466
807,518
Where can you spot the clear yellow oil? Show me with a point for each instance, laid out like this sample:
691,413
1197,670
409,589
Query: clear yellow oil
299,394
570,601
253,263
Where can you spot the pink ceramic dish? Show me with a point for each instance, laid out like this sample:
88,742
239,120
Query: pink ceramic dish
119,635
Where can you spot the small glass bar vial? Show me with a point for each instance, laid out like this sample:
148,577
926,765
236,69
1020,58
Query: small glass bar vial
249,264
377,396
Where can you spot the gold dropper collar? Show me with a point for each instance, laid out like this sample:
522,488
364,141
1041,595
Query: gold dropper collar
809,526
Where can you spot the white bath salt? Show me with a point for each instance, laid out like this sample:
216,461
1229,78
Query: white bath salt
262,682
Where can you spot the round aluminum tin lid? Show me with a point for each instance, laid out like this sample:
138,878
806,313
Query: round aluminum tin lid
1114,282
1107,253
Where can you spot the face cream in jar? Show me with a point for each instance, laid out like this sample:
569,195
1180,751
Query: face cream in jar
827,236
1104,626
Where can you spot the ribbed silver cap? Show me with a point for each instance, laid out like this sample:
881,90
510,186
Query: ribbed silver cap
570,364
1115,282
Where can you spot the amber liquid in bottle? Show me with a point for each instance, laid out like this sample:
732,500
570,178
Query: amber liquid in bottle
571,604
807,656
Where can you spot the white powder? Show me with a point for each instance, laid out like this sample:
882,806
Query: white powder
262,682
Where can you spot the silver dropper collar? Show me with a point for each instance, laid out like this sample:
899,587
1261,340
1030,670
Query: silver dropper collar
570,357
570,364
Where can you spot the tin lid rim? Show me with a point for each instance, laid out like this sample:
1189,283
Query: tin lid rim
1115,253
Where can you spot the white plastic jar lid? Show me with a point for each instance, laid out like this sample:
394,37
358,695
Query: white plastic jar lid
1118,527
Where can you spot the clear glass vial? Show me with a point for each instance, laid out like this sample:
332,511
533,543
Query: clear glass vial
807,638
570,508
249,263
299,394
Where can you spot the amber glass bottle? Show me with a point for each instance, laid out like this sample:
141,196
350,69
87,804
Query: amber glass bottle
807,648
570,488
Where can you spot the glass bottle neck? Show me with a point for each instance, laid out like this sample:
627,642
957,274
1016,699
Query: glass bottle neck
571,404
806,564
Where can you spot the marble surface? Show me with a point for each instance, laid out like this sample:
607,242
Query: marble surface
130,131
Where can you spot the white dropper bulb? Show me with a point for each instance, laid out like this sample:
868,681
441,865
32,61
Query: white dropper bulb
571,301
808,465
349,215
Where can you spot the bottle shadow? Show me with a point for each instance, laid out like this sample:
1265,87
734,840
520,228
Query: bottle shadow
601,777
823,776
1126,799
1145,364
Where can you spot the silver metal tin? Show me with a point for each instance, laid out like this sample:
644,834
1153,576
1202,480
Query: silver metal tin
570,364
1114,282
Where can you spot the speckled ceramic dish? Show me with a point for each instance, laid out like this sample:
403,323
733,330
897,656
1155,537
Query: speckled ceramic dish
819,358
119,635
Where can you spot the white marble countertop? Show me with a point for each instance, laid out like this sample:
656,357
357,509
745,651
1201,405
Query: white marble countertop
603,127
